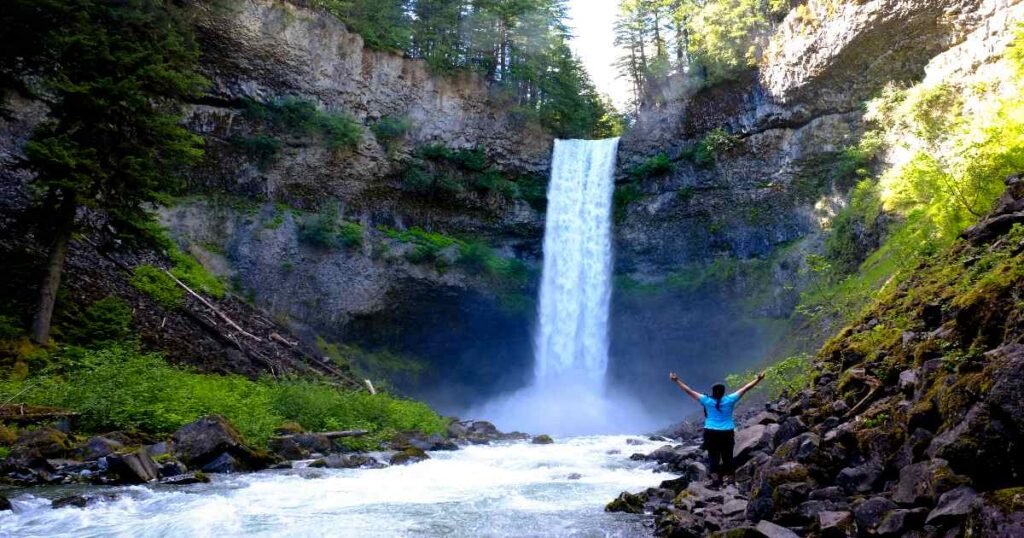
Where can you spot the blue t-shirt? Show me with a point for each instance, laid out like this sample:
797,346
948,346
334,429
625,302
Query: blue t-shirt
721,418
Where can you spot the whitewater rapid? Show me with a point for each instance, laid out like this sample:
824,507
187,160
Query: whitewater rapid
517,489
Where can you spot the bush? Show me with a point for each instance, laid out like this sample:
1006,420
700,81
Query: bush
262,147
120,388
657,165
188,270
350,234
787,376
105,321
390,129
320,228
624,195
154,282
302,118
716,142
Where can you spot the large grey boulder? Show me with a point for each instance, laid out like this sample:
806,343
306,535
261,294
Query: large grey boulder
135,467
953,506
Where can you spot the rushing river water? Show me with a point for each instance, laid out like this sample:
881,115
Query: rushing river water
515,489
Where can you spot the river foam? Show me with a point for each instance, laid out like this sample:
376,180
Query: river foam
517,489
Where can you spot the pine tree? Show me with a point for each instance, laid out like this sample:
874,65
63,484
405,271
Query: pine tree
112,74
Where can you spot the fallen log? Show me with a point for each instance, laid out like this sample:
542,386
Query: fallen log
209,305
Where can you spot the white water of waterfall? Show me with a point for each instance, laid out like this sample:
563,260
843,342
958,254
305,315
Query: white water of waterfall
568,395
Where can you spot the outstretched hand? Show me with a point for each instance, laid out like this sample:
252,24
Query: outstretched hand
760,375
672,376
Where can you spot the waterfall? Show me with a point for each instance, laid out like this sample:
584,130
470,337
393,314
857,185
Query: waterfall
572,339
568,394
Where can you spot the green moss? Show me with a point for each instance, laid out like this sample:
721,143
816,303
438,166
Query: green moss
624,195
154,282
106,320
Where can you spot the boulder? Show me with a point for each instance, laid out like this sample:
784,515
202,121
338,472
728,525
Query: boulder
157,450
287,448
408,456
677,485
77,501
223,463
627,502
899,522
680,524
734,507
186,479
45,442
422,441
837,524
860,479
953,506
869,513
999,514
201,442
5,504
172,468
771,530
542,439
831,493
98,447
808,511
922,483
749,440
134,467
764,418
788,429
354,461
983,446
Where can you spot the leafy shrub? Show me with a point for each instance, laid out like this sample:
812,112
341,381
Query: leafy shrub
716,142
787,376
104,321
350,234
120,388
154,282
434,152
302,118
389,129
657,165
624,195
262,147
417,180
197,277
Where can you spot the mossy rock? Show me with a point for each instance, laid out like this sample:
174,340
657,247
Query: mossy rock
542,439
289,428
626,502
408,456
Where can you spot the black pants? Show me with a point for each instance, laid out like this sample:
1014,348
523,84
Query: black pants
719,444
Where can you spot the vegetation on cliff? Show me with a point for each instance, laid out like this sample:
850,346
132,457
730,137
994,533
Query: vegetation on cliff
522,47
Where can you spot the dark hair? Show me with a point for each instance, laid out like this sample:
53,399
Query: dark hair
717,392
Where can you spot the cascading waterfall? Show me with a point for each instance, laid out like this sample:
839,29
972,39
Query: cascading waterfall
568,395
572,340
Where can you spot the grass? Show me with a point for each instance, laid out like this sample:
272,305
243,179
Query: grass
120,388
154,282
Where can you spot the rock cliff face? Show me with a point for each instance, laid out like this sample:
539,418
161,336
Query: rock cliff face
747,219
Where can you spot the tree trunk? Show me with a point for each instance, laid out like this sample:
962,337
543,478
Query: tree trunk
54,267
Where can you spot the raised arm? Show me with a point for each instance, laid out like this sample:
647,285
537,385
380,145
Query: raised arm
689,392
743,390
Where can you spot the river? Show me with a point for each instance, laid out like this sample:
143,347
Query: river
515,489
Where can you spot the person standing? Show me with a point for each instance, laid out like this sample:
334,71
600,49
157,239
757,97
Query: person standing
719,427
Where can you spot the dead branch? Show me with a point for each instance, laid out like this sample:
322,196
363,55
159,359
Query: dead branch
209,305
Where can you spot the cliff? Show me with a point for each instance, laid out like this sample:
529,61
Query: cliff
713,248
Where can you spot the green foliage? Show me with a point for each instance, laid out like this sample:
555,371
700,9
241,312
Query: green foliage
445,172
104,321
522,47
707,150
197,277
324,230
262,147
657,165
787,376
390,129
112,138
302,118
120,388
959,143
154,282
624,195
473,256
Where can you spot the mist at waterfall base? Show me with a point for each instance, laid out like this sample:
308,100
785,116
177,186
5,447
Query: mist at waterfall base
569,394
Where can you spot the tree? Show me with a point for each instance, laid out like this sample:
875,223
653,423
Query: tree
113,75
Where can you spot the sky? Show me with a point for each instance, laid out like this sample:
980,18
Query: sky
592,23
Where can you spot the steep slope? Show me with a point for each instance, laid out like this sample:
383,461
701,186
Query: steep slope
713,244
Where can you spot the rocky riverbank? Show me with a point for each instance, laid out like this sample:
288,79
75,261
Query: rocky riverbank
912,427
48,455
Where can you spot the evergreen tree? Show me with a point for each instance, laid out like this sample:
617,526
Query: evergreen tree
112,74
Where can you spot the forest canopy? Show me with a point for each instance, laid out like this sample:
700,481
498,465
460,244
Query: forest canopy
520,46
